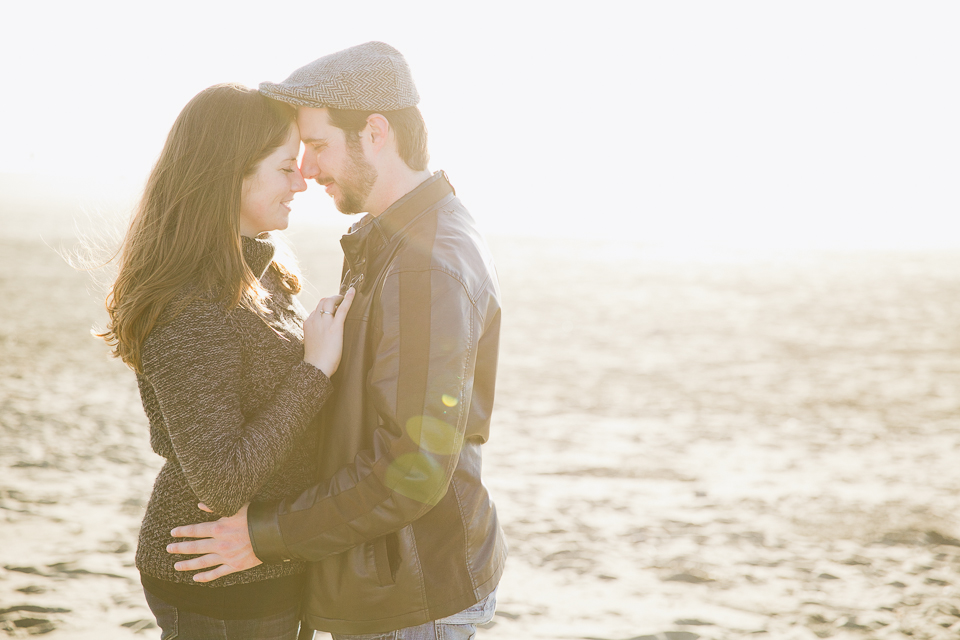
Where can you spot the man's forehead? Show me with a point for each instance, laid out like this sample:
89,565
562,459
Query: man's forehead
313,121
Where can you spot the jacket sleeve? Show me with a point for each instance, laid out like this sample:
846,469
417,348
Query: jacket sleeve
421,382
193,365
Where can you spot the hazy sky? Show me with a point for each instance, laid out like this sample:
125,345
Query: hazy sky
754,123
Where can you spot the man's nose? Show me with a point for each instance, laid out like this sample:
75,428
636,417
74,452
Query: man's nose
308,167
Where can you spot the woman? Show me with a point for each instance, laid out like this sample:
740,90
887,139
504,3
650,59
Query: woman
230,374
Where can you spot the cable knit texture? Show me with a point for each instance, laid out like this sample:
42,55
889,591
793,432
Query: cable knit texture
229,400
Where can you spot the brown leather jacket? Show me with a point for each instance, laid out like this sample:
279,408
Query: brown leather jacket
400,530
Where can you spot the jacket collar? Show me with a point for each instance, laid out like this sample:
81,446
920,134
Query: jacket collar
371,234
258,254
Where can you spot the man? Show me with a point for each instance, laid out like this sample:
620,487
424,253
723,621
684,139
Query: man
401,533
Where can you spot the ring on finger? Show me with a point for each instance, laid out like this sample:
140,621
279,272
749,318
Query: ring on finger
326,312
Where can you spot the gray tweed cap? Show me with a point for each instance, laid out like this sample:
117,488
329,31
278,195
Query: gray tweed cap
369,77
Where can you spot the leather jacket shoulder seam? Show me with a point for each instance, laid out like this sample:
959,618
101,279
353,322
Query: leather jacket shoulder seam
466,291
439,269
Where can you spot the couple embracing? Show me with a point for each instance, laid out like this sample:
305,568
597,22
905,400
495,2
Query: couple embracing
322,471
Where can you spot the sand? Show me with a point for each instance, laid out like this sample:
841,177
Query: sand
710,445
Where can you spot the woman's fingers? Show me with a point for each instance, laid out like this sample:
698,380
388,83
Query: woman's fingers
328,305
323,341
333,305
345,301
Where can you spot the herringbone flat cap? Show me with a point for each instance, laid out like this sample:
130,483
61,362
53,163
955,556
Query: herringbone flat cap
369,77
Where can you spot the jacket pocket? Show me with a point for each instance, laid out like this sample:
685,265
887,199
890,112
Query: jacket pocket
386,555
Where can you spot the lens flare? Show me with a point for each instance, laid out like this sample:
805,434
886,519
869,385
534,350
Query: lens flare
417,476
434,435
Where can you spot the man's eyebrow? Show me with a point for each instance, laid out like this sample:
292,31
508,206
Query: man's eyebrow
314,140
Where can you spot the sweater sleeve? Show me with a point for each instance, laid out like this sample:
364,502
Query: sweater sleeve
193,364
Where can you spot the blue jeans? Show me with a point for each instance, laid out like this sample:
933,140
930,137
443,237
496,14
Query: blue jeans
185,625
459,626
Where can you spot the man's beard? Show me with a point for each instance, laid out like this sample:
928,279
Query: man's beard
357,181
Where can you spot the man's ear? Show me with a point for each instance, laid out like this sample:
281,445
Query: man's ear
376,131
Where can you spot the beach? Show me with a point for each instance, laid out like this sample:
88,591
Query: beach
685,444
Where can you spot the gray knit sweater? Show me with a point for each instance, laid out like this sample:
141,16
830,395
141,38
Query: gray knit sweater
229,400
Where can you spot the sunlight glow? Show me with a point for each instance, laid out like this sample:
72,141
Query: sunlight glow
741,123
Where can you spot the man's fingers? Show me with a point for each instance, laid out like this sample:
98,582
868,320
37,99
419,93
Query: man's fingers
219,572
199,530
203,562
193,547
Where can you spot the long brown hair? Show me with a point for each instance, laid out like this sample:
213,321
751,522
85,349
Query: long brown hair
185,233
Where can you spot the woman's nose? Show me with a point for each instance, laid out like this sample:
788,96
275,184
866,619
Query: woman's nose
299,184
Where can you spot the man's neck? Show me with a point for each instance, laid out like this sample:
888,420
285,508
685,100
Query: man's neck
393,185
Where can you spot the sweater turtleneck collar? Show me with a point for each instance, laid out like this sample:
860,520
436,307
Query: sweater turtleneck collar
258,254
